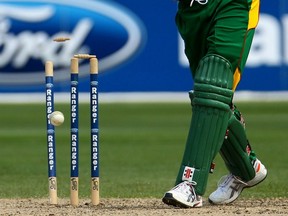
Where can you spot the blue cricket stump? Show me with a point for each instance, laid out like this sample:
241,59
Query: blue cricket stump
74,105
95,198
51,144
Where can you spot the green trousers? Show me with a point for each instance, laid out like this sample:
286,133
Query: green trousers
222,27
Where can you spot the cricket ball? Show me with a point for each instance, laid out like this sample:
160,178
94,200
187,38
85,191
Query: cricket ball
56,118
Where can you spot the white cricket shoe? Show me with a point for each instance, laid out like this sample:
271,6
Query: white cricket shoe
230,186
183,195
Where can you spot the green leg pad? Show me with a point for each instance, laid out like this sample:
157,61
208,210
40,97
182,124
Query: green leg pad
234,153
211,113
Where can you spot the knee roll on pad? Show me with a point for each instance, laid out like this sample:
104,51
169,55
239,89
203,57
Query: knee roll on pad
213,83
211,101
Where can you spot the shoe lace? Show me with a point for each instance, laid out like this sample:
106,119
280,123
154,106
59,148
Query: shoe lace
184,184
192,194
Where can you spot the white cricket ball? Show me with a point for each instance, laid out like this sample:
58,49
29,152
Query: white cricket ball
56,118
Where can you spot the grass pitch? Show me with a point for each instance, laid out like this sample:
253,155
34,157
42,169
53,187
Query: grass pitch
141,146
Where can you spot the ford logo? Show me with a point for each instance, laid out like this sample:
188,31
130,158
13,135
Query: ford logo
27,29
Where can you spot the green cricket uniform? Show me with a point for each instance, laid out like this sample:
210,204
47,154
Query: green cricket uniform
218,36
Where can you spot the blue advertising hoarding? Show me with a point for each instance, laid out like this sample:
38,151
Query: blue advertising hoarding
136,42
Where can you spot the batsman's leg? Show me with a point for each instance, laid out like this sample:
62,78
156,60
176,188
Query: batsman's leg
245,169
211,113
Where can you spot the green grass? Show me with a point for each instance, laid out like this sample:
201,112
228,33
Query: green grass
141,146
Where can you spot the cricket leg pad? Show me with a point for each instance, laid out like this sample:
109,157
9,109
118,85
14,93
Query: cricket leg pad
211,101
236,150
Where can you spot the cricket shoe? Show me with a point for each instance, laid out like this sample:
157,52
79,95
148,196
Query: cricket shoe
230,186
183,195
